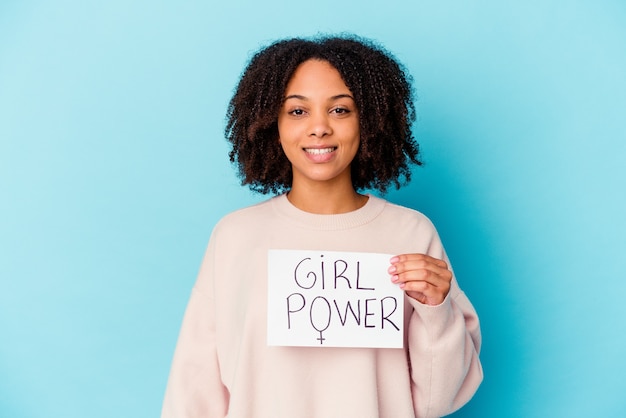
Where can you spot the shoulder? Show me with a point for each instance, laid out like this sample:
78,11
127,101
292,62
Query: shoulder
407,230
245,218
405,216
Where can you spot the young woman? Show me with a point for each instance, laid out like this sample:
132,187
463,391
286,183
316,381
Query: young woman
315,122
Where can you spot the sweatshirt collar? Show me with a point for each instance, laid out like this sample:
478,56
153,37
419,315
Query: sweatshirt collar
365,214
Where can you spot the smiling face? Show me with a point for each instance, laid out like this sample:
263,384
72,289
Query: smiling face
318,126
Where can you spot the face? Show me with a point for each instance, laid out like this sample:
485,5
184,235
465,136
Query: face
318,125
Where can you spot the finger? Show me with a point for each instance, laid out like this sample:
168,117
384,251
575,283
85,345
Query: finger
405,261
428,289
425,293
436,277
411,268
419,270
412,256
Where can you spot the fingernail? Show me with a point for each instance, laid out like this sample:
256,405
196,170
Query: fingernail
394,259
391,269
394,278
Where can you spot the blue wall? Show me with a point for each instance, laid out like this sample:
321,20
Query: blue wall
113,170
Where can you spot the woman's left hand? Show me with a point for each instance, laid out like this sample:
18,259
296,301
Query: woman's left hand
424,278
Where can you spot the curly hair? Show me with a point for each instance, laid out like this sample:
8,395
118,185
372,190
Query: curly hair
384,98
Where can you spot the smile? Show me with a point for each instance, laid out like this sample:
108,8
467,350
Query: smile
320,151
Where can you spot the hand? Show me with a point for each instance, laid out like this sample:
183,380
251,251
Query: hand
422,277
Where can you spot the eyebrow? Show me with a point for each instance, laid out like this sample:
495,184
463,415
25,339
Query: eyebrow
300,97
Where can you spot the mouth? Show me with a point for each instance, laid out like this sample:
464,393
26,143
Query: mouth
320,151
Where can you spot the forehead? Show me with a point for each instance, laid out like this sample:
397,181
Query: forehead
316,75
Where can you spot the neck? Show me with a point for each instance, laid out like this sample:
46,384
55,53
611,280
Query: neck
326,201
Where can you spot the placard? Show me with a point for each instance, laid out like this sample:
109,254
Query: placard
333,299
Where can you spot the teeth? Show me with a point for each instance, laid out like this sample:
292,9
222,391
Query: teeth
319,150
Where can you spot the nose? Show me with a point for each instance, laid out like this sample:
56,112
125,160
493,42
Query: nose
320,125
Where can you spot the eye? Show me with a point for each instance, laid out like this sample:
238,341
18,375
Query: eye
340,110
296,112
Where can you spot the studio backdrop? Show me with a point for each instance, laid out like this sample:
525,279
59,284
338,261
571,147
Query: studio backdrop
114,170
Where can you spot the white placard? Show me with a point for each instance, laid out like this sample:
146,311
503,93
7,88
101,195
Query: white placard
333,299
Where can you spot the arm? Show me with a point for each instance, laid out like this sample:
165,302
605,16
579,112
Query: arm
443,334
444,343
194,388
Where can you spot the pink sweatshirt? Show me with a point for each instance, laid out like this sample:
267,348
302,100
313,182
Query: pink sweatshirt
222,366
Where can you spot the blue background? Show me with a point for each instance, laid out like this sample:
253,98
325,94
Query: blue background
113,171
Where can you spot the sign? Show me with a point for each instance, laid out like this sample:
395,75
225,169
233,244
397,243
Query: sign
333,299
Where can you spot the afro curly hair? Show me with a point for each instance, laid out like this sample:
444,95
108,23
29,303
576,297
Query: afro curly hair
384,98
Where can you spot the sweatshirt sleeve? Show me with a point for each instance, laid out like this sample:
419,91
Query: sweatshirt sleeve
444,344
194,387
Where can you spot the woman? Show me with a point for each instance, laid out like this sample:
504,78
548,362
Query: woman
316,121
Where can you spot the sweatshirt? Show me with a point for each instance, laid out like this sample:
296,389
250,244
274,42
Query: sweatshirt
223,367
